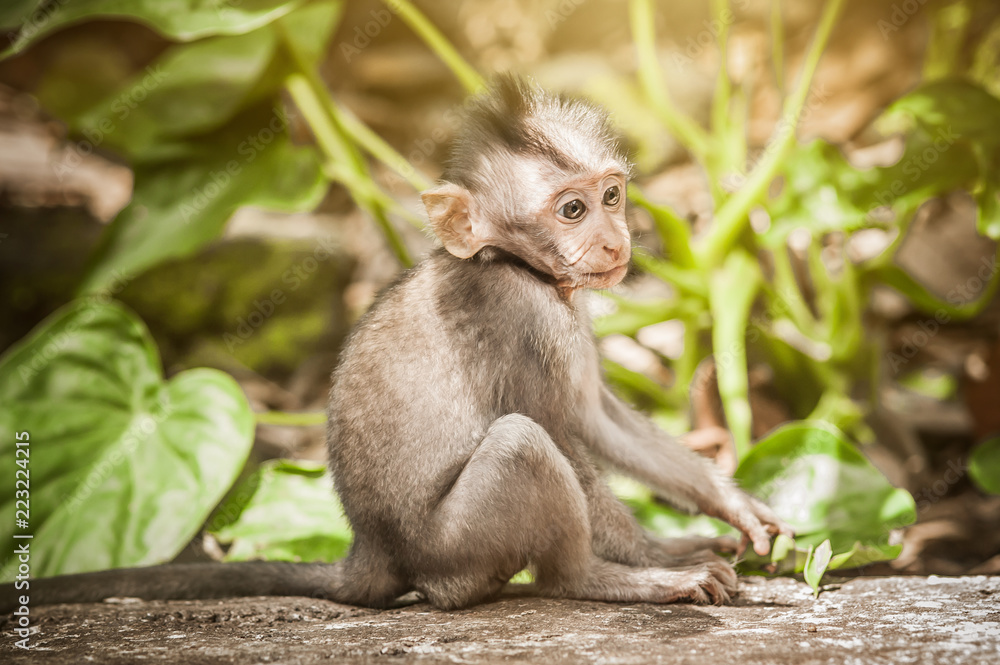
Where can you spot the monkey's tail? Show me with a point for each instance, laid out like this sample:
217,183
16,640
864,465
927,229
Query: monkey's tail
189,581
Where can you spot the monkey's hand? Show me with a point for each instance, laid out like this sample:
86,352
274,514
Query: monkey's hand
756,521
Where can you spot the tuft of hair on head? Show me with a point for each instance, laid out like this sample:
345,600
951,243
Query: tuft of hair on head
516,117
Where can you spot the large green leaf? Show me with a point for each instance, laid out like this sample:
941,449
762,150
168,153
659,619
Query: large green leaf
182,20
984,465
165,110
124,467
816,480
179,206
192,89
285,511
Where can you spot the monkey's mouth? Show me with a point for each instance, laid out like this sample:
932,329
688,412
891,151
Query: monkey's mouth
610,277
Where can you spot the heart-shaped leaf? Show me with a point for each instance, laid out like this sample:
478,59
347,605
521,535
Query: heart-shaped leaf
815,479
124,467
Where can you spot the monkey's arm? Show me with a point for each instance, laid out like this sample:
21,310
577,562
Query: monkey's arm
634,444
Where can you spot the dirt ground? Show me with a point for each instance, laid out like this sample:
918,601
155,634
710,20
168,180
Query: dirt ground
924,620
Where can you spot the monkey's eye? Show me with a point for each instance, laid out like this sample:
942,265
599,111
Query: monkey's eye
611,196
573,210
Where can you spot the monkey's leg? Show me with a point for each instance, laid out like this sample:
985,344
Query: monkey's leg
518,501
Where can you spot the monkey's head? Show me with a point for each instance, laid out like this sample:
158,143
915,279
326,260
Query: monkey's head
541,177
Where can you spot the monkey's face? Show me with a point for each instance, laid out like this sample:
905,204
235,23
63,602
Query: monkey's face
569,225
590,238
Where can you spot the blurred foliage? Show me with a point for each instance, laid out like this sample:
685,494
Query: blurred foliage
211,136
984,465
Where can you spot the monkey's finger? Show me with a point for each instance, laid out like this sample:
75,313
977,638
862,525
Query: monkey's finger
760,537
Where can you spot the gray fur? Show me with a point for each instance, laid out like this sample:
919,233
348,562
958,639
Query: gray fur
469,423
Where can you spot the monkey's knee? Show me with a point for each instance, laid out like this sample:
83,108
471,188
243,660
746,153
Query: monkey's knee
499,516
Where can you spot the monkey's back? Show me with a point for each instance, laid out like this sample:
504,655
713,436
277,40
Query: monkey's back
448,349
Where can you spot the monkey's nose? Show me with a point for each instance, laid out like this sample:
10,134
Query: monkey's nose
615,252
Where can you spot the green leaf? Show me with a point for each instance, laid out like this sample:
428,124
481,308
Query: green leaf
19,12
631,315
951,306
286,511
958,106
816,480
124,467
192,89
733,288
181,20
179,206
984,465
816,564
636,387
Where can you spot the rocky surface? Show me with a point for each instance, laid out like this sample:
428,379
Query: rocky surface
867,620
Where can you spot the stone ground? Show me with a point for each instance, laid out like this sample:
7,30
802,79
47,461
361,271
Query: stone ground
867,620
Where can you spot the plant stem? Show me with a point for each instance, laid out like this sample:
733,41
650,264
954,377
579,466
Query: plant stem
688,132
731,218
720,100
341,157
291,419
426,30
379,149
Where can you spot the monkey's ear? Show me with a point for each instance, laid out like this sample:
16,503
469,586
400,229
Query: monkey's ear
450,211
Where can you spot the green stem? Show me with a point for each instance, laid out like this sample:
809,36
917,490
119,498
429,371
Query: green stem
431,36
341,158
731,218
720,101
291,419
688,281
379,149
687,131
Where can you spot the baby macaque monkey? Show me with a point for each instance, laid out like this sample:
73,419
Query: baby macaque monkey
468,416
